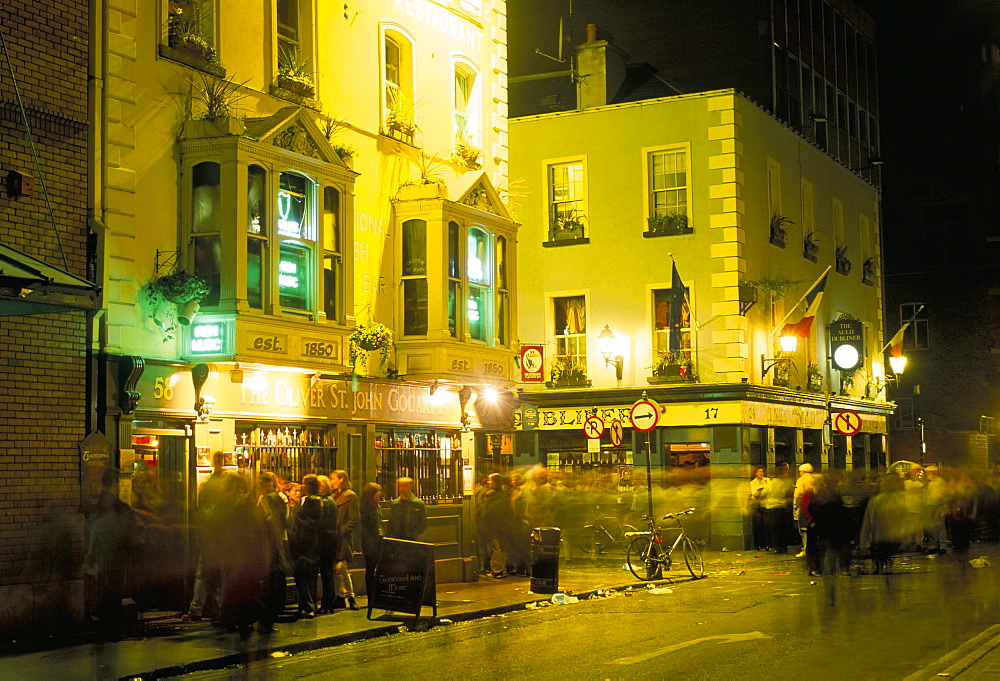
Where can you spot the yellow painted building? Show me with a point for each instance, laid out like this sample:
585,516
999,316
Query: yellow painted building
322,166
752,214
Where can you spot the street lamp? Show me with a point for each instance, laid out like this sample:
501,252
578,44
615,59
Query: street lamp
897,364
609,349
788,343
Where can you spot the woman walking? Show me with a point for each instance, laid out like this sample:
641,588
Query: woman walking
348,513
371,531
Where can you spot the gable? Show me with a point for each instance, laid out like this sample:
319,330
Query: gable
293,130
481,195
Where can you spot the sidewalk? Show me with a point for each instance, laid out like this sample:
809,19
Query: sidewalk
172,647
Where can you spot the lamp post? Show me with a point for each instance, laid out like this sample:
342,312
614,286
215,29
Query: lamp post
608,344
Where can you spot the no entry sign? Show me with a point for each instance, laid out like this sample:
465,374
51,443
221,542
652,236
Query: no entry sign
847,422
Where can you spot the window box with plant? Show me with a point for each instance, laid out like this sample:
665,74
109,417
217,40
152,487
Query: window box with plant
668,224
566,374
218,99
187,42
814,378
810,248
868,271
468,154
399,123
668,368
843,262
567,227
173,299
779,229
429,182
293,73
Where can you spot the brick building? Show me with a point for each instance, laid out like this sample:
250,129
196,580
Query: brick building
44,302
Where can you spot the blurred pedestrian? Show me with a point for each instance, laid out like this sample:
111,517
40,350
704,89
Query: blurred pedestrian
495,525
114,535
348,512
207,578
800,498
371,531
758,487
935,498
777,504
520,532
273,510
304,544
913,488
407,515
244,557
884,528
329,544
962,513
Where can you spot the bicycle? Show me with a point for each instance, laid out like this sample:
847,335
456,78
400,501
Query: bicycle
597,537
647,558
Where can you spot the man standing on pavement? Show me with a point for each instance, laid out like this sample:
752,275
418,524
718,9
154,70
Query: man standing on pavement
408,515
803,487
207,577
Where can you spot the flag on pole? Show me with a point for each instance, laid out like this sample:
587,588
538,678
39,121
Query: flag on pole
895,344
678,298
812,298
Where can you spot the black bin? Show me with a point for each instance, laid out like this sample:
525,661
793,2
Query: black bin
544,563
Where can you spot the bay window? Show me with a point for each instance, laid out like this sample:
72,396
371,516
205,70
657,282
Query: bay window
331,253
503,291
454,276
256,235
205,228
480,290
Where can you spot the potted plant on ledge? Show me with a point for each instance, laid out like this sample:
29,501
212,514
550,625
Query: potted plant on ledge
567,226
669,369
567,374
815,379
668,224
183,290
293,73
370,337
399,123
843,262
810,248
779,231
868,271
187,44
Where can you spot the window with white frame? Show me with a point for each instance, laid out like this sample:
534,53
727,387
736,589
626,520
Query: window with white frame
479,269
567,216
191,26
397,81
414,261
294,39
669,178
570,334
662,300
916,335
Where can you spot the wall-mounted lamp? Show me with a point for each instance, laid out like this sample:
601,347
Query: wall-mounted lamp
236,374
814,120
898,365
768,363
609,347
788,343
434,386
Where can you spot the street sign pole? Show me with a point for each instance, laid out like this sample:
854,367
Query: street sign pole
644,417
649,476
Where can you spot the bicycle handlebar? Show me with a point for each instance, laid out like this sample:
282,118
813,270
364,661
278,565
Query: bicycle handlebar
671,516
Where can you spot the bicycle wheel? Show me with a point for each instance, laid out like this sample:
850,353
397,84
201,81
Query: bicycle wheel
692,557
644,559
585,540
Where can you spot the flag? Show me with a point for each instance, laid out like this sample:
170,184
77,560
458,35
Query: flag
678,298
813,298
895,343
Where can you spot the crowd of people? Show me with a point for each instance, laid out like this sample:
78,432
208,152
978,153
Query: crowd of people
838,516
251,543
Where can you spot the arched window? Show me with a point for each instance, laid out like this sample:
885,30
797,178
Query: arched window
332,261
295,223
397,80
415,278
257,235
466,104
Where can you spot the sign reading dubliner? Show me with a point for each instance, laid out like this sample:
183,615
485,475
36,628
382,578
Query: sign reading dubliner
532,364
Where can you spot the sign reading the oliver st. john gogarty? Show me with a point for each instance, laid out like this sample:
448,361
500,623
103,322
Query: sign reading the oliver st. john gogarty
404,578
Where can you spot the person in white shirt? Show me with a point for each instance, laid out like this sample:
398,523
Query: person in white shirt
934,509
758,485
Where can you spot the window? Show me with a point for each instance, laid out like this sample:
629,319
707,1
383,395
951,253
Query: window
471,7
668,192
205,226
466,109
810,247
661,327
570,333
257,236
191,26
295,252
479,270
566,210
773,187
838,223
865,235
288,27
503,292
454,277
294,31
398,81
415,278
916,335
332,262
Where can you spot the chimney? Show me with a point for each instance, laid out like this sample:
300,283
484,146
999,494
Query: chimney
600,68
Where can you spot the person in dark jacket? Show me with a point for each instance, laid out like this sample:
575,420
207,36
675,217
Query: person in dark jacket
304,544
273,511
348,513
329,543
244,557
371,531
408,515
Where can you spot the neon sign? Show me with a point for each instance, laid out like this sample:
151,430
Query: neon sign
288,274
207,339
287,225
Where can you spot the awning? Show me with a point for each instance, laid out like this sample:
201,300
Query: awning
31,286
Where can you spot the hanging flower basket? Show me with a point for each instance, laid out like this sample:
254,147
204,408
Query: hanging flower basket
181,287
371,337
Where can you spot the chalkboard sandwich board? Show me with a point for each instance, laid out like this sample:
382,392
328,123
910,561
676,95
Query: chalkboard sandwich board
404,578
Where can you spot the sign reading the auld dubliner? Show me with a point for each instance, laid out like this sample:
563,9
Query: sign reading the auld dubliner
847,344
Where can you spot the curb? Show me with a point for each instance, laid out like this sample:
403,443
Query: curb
352,637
